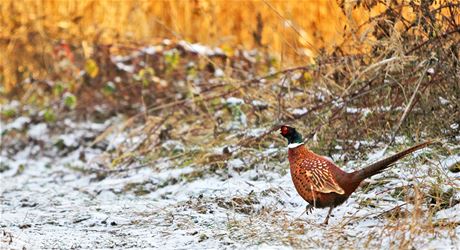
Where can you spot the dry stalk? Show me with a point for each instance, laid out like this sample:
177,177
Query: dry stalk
407,110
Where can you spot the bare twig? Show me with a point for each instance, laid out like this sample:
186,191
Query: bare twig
408,109
433,40
280,94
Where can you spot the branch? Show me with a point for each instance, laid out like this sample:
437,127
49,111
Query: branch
432,40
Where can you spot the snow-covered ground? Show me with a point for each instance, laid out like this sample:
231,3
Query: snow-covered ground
55,200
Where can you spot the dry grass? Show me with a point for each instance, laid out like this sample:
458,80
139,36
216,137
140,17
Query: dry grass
296,31
378,61
394,74
404,58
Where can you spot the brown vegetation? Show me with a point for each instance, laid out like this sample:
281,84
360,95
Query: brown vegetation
350,75
32,31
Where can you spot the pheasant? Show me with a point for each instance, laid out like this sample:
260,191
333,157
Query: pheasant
320,182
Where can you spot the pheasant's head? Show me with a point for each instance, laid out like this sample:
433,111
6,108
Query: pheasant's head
291,135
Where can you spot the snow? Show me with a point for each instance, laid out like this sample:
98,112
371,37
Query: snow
258,103
235,163
368,111
243,120
448,161
125,67
234,101
200,49
117,59
451,214
352,110
250,56
443,100
173,145
38,131
167,42
256,132
219,73
115,139
296,76
57,201
17,124
299,111
69,140
14,104
151,50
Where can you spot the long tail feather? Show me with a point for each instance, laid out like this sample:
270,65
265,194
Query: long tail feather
377,167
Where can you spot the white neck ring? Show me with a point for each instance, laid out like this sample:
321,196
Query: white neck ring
294,145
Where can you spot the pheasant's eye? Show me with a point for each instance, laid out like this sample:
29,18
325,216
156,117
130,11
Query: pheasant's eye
284,130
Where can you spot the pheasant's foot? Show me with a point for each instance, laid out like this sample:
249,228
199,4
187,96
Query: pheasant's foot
309,209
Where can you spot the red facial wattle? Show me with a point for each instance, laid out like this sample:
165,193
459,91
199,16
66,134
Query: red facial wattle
284,130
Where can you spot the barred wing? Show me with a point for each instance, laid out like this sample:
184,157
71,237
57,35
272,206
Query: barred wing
319,176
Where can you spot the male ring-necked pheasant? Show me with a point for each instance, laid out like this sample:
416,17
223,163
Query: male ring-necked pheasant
319,181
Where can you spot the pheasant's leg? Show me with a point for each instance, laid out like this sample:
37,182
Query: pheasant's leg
327,217
309,209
